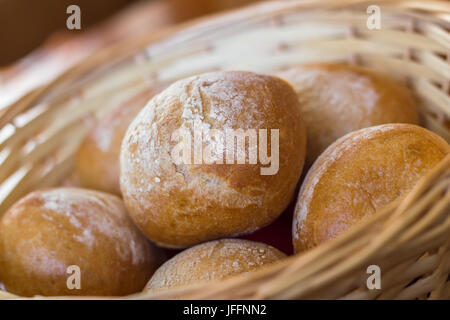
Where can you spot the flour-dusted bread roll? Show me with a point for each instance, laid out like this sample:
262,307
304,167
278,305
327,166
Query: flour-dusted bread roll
97,159
359,174
336,99
182,197
48,234
212,261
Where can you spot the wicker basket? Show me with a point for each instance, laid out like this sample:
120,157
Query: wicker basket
409,239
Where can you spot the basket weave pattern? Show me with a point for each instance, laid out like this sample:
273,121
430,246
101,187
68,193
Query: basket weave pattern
409,239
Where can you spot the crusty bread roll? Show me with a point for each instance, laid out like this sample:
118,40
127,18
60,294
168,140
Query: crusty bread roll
97,160
359,174
48,231
336,99
180,203
211,261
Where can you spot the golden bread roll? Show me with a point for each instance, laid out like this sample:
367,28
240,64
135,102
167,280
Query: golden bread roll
49,232
97,160
359,174
178,203
336,99
211,261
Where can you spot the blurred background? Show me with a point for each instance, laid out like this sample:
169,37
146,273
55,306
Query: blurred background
26,24
36,45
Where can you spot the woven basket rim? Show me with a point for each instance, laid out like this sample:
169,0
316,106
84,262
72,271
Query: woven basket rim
128,47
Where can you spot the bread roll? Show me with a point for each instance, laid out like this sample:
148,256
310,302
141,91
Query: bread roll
336,99
48,231
97,159
210,261
359,174
181,203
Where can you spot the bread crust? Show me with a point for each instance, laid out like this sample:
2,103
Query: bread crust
359,174
178,205
336,99
49,230
211,261
97,160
